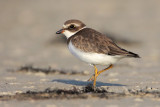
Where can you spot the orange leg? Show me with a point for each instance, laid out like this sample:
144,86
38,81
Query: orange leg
99,72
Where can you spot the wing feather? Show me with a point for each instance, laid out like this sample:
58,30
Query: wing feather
89,40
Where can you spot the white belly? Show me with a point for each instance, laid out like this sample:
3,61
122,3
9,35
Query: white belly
93,58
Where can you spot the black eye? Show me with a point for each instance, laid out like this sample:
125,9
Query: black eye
71,26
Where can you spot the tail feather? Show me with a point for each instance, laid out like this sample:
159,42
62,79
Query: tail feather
131,54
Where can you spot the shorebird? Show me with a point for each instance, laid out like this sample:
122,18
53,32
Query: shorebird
92,46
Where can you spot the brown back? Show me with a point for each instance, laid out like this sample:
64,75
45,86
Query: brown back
89,40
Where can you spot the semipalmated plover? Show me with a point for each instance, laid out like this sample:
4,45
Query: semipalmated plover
92,47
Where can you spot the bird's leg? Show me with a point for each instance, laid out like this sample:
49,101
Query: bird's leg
95,76
105,69
92,77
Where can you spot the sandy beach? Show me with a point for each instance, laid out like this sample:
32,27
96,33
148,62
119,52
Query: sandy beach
37,69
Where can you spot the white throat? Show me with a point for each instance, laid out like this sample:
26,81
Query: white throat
69,34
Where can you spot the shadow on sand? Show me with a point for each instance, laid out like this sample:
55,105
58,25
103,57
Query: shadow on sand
85,83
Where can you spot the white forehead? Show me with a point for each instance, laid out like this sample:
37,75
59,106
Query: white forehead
64,26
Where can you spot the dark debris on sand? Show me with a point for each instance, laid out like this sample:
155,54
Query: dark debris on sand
49,70
48,93
76,93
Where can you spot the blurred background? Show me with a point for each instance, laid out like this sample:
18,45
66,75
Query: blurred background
27,31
